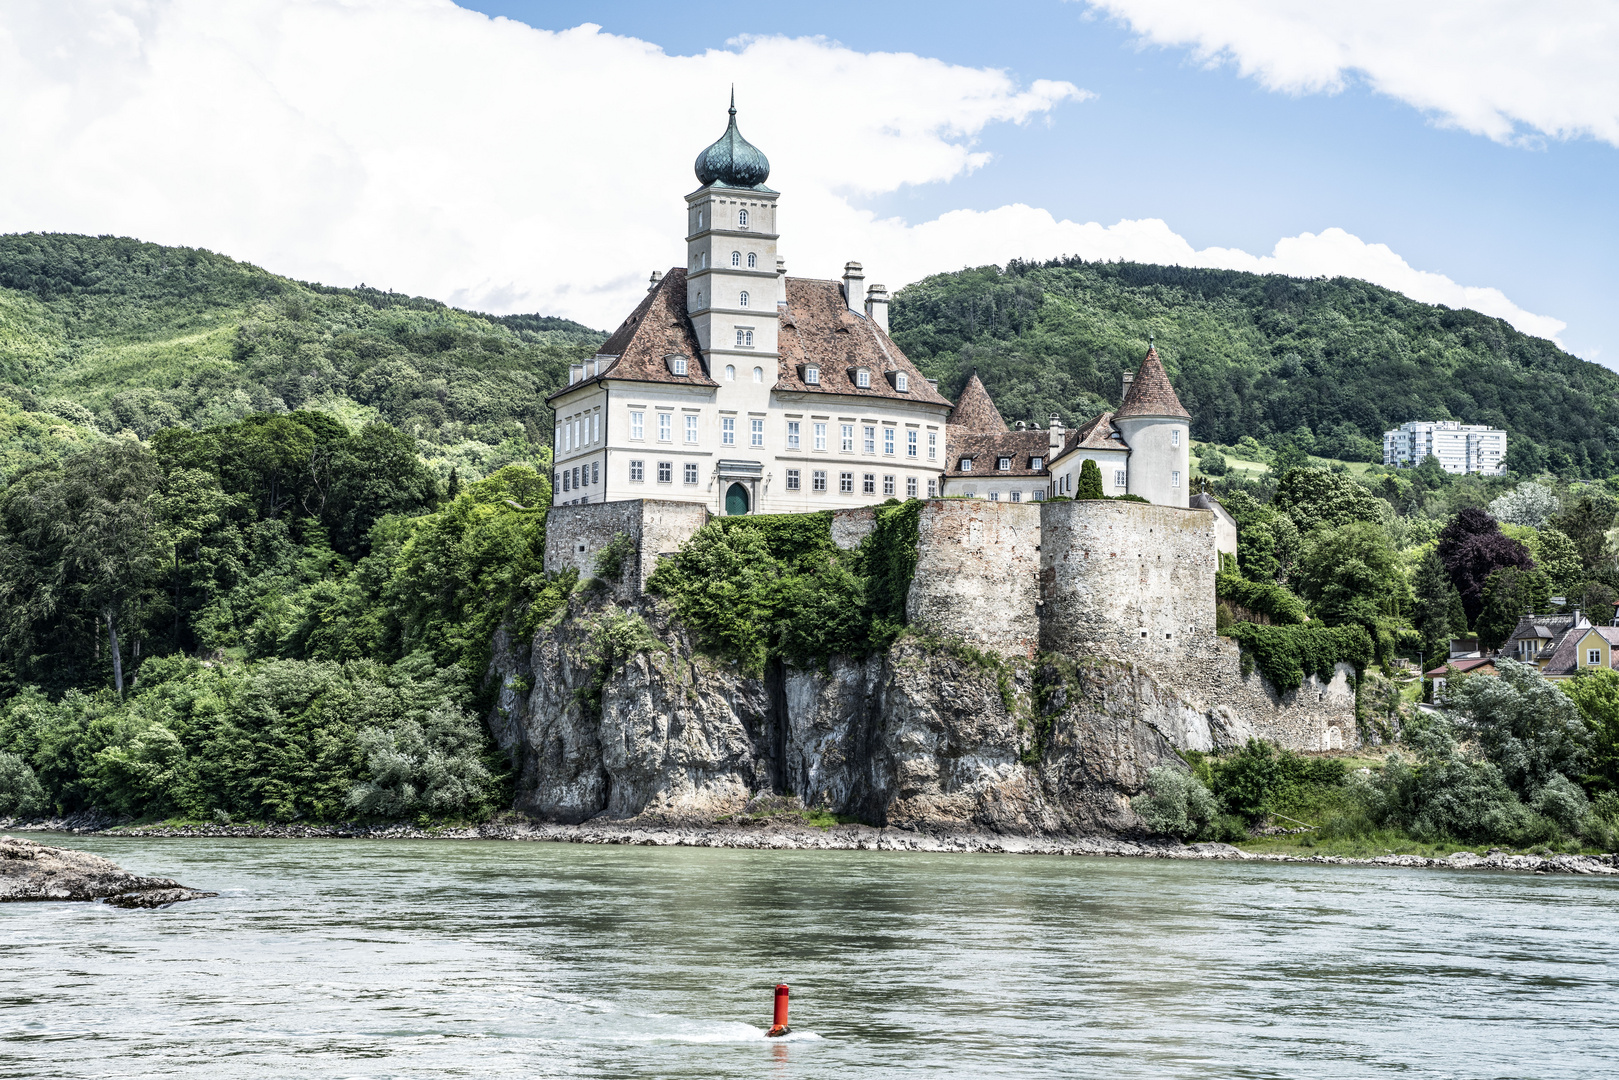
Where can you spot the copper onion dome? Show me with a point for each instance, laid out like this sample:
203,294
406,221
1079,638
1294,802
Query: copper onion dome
732,161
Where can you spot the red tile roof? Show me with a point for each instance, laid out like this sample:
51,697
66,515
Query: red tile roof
658,328
1151,393
985,449
818,328
975,411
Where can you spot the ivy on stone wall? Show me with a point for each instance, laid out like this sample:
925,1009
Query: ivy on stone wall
1286,654
1259,597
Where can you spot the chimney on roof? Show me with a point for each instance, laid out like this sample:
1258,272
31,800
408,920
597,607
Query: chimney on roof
1129,377
652,282
1055,439
877,305
854,280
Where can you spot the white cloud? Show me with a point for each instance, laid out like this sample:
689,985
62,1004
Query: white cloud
415,145
1491,67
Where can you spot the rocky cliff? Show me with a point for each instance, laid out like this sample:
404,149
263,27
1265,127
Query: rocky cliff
610,711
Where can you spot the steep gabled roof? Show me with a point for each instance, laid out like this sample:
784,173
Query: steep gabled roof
1565,658
1098,434
817,327
975,411
1151,393
656,329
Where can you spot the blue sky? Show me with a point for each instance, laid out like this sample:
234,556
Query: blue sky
1224,161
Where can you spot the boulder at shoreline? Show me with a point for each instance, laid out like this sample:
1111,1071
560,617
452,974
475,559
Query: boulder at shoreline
32,871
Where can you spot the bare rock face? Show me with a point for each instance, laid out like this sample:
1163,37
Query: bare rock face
32,871
932,738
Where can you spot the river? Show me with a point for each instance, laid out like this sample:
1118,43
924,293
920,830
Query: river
334,958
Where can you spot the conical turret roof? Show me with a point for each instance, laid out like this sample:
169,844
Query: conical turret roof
1151,393
732,161
975,411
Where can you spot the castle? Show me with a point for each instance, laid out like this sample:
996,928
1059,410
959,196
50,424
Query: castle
736,387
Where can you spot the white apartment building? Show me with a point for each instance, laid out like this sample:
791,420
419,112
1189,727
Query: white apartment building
1460,448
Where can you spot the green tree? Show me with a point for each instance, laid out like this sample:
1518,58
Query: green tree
1508,594
1555,555
1318,499
1212,461
1090,481
1596,693
1430,617
1351,575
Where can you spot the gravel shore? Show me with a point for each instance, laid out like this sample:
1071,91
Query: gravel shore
784,835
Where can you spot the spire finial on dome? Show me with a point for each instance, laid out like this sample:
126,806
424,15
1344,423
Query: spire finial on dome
732,161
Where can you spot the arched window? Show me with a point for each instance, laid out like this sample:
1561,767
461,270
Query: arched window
730,373
758,374
742,219
742,300
736,258
753,260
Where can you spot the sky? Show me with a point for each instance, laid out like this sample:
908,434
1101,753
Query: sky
509,155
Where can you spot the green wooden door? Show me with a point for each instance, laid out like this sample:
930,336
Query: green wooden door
736,500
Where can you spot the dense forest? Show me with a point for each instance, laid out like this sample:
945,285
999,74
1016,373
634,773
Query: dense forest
1336,361
256,534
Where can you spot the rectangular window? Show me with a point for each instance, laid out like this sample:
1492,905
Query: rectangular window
1036,463
868,484
1175,478
576,482
637,425
871,439
820,436
818,480
966,464
1038,496
848,438
691,427
561,441
565,474
1118,477
933,489
1593,656
933,445
1017,496
637,471
792,434
595,472
691,472
910,487
1174,436
846,483
576,442
888,484
756,432
665,427
994,496
1003,463
910,444
666,472
728,431
792,479
596,427
888,440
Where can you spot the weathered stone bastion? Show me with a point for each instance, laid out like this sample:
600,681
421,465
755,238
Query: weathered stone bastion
1096,580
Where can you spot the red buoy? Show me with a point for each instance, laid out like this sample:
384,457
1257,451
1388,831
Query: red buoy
780,1028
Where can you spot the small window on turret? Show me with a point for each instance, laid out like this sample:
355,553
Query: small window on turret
1174,436
742,219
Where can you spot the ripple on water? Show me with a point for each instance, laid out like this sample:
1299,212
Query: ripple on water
487,959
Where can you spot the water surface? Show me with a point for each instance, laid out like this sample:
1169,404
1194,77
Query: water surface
342,958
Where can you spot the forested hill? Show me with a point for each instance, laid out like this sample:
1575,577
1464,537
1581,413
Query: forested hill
111,334
1259,355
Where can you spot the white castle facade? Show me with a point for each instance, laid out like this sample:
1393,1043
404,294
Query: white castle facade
737,387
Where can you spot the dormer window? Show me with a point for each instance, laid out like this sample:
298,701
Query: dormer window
1036,463
753,260
902,382
862,378
742,300
677,365
812,376
742,219
966,464
1004,463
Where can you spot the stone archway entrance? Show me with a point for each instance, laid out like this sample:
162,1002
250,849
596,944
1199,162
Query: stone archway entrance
736,500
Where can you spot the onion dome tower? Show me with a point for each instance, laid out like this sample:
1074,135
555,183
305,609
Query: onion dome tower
732,161
733,285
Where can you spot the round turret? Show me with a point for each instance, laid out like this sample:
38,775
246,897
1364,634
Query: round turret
732,161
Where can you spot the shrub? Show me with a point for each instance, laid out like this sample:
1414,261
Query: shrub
1285,654
21,794
426,765
1562,801
1089,485
1262,598
1175,803
1525,725
610,560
